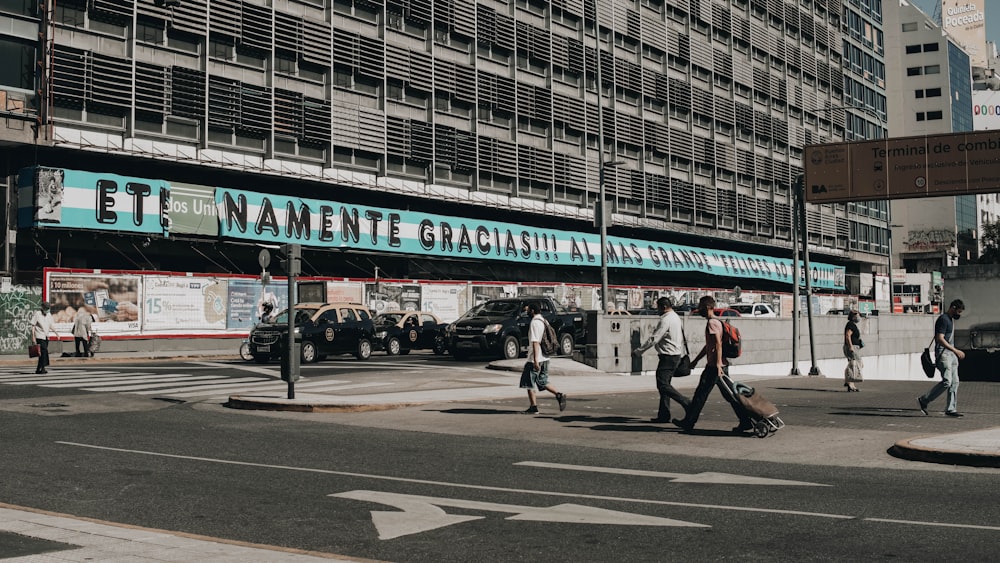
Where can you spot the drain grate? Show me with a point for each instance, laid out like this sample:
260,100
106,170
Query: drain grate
48,405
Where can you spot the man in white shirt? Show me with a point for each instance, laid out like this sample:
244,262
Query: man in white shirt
41,325
536,370
668,338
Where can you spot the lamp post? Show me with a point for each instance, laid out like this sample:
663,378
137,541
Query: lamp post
600,211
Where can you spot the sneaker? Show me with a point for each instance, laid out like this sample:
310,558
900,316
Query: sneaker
561,397
683,425
533,409
923,406
955,414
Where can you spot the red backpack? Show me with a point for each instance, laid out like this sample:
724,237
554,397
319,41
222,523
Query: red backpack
732,343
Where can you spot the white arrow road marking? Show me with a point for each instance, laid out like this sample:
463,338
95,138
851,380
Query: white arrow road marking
709,477
421,514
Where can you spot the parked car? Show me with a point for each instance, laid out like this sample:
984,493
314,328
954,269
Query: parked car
399,332
325,329
727,312
758,310
499,328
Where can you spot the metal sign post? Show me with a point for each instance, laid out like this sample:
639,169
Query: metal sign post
290,362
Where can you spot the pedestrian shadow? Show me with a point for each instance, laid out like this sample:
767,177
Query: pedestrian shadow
882,412
599,419
475,411
838,390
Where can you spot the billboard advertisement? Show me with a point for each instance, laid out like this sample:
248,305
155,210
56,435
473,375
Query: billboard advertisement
965,21
985,110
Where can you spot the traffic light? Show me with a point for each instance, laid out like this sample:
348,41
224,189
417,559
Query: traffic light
292,260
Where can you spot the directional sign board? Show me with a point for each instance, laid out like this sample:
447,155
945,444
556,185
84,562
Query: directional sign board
903,167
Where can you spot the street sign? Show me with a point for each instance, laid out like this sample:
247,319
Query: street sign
264,258
904,167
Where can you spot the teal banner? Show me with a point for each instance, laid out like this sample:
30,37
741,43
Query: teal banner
326,224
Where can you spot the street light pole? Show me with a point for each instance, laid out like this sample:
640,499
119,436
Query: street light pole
600,211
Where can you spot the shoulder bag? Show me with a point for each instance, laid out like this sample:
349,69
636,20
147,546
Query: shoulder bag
684,366
926,362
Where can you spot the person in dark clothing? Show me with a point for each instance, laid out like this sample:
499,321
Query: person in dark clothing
852,350
716,365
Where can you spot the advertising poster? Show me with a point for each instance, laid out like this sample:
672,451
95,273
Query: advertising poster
448,302
246,302
112,301
182,303
351,292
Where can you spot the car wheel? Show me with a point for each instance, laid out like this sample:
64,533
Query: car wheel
511,348
245,351
439,347
261,358
364,350
566,343
309,352
393,346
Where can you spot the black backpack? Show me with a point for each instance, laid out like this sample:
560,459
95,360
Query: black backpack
550,340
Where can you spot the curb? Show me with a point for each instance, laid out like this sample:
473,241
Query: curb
906,449
297,405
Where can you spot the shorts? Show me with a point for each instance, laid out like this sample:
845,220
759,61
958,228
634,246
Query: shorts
537,379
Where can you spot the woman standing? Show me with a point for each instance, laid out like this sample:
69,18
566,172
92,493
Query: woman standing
41,326
852,351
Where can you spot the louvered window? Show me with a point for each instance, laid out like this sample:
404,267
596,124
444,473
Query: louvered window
188,94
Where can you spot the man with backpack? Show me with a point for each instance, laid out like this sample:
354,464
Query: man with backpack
716,365
536,370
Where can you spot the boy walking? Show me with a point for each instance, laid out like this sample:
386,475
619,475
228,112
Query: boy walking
536,369
947,360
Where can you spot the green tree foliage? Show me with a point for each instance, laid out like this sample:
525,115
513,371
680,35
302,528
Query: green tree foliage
991,243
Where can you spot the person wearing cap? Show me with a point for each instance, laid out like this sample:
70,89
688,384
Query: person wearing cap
41,325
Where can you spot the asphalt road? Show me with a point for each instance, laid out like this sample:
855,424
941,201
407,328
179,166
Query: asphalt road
477,482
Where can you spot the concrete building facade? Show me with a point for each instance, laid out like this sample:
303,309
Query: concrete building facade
477,109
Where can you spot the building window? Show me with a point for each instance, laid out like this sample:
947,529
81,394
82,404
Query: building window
18,71
931,47
932,69
911,49
933,92
909,26
933,115
913,71
919,94
920,116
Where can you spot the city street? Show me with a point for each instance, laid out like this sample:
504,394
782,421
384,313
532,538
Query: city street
474,480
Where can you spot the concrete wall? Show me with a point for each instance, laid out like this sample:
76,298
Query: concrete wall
893,344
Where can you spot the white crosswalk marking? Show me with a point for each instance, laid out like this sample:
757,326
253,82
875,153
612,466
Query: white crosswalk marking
196,379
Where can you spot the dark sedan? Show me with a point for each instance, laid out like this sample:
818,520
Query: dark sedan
399,332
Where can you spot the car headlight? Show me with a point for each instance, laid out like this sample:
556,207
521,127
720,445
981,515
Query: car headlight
491,329
297,331
449,329
380,334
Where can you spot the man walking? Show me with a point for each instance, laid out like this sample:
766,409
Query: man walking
668,338
947,360
41,325
536,369
82,331
716,365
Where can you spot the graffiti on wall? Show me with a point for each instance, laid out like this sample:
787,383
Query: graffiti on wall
17,304
930,240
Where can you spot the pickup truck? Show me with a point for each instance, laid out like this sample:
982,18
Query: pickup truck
759,310
499,328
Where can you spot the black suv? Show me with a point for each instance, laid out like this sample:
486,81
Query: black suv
325,329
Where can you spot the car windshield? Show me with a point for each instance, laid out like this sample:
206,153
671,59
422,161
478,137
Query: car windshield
745,309
388,319
301,316
497,309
